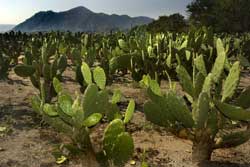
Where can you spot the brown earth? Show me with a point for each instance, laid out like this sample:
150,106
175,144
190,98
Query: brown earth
27,142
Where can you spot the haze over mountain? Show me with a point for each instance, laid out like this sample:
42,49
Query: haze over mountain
79,19
6,27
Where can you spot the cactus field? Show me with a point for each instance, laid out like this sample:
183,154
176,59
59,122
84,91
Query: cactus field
131,99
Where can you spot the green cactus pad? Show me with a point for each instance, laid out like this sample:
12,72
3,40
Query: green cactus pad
78,112
208,84
185,80
219,62
99,77
199,80
50,110
65,103
116,96
231,82
244,99
212,122
92,120
46,71
94,101
179,109
155,87
90,100
123,149
119,63
169,60
102,101
111,133
65,117
200,65
234,139
129,112
112,112
24,70
57,85
62,63
36,104
123,45
87,75
200,113
58,124
157,114
233,112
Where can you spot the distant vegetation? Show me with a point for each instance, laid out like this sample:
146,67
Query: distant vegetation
174,23
223,16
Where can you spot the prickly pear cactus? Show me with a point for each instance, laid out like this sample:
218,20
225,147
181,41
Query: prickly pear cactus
75,117
120,63
211,105
42,69
117,144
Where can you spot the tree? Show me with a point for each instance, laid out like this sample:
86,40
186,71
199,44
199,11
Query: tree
222,15
174,23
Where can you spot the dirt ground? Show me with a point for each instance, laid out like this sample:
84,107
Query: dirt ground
27,142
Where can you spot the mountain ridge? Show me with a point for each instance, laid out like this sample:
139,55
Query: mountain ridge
79,19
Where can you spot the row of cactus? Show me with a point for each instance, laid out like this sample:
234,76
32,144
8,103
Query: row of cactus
76,117
138,52
212,105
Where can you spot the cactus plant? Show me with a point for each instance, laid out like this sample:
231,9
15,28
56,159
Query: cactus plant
211,106
117,144
76,117
41,70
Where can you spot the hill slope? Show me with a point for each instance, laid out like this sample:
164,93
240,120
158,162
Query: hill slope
79,19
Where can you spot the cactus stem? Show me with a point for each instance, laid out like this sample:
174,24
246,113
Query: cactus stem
202,147
201,151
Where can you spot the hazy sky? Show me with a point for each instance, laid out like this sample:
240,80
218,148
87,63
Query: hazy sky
16,11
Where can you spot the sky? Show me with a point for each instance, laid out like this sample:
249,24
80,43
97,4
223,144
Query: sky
17,11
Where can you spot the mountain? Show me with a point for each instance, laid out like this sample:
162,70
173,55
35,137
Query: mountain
79,19
6,27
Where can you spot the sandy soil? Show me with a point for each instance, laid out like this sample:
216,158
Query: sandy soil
28,142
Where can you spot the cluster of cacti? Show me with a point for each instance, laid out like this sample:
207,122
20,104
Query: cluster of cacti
210,97
76,117
41,65
11,45
207,67
159,55
138,52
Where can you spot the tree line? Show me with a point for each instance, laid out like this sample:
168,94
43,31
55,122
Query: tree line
230,16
